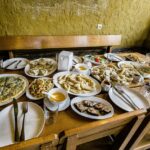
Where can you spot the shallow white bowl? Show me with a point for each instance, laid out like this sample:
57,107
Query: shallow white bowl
57,90
77,68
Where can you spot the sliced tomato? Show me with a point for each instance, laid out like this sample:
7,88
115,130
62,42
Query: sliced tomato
96,59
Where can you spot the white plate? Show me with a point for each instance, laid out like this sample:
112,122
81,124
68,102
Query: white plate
26,69
34,123
92,61
137,98
136,64
113,57
21,65
62,106
32,97
14,75
95,99
57,75
130,63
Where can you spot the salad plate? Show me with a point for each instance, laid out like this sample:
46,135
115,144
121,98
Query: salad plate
95,59
38,87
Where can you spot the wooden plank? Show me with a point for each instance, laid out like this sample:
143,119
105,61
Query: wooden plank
132,131
143,145
99,135
105,123
45,42
71,143
104,128
89,134
35,142
141,132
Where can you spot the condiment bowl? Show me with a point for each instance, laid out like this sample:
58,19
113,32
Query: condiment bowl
82,68
57,96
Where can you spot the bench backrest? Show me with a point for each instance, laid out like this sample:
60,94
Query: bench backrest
10,46
46,42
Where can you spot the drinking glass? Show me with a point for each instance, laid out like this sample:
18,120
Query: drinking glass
50,111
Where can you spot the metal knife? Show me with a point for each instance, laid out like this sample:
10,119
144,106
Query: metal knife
128,99
17,64
10,64
16,137
120,96
111,55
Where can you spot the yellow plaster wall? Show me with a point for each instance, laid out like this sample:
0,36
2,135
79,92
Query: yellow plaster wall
131,18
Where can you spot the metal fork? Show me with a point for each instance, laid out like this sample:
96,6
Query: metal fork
127,97
120,96
25,110
17,64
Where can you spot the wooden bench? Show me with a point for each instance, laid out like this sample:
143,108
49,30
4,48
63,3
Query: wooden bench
18,43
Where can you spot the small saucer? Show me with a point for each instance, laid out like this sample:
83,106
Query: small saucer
62,106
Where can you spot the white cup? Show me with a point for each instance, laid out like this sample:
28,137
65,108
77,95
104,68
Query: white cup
82,68
54,90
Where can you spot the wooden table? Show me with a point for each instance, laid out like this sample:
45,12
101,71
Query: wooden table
68,119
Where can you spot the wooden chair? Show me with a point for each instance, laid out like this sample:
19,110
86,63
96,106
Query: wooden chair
18,43
139,141
43,143
103,128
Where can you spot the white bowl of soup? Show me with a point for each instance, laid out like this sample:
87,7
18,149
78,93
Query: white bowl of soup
57,95
82,68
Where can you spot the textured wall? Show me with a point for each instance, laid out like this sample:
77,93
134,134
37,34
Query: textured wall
131,18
